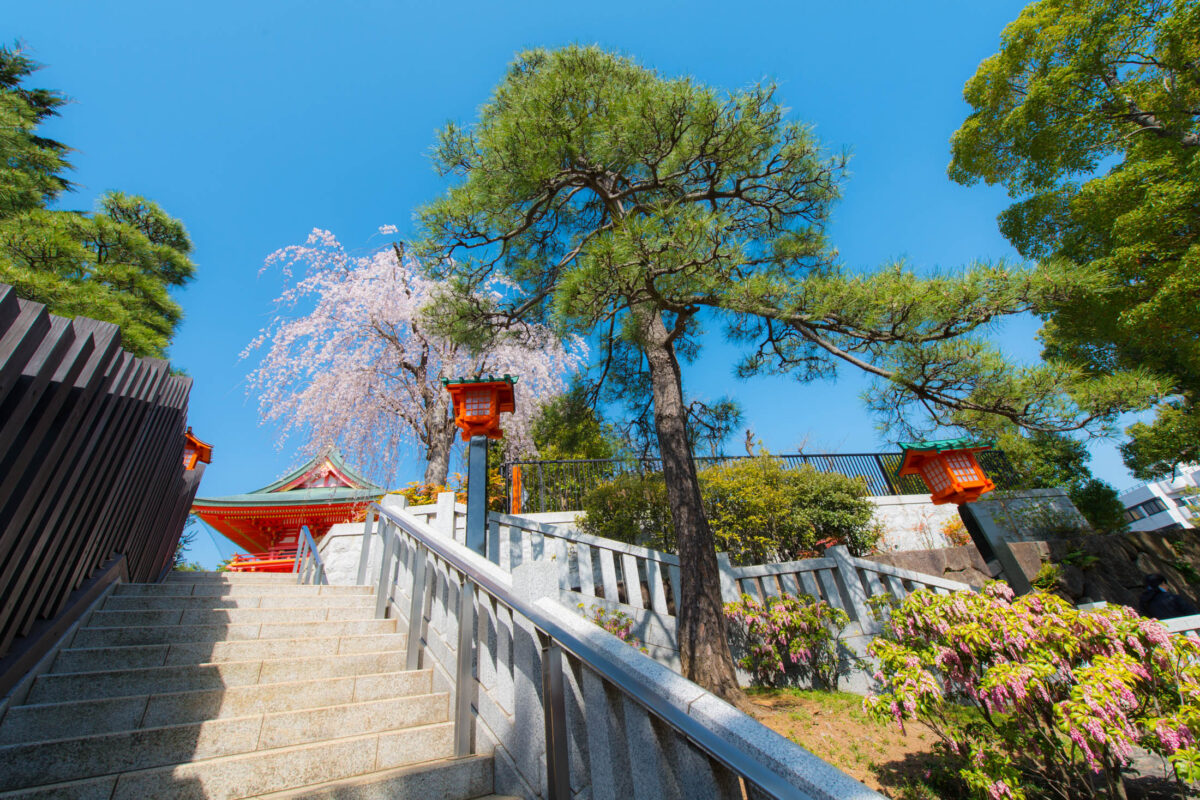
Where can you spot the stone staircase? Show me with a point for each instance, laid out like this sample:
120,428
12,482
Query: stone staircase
222,686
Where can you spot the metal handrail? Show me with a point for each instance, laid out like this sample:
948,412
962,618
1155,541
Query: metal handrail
483,575
308,566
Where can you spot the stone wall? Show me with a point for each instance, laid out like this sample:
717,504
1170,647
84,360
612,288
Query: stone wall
911,522
1109,567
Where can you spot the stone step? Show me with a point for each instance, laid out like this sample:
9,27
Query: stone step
218,616
103,659
116,602
216,589
71,686
455,779
63,760
169,634
46,721
225,615
282,769
231,577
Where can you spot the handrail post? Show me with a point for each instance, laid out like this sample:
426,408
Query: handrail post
385,570
296,560
416,609
365,554
465,677
554,707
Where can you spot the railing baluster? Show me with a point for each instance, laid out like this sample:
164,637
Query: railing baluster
416,609
385,571
633,581
365,554
554,705
464,686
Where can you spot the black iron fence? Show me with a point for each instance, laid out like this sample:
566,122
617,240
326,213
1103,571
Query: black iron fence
91,461
562,485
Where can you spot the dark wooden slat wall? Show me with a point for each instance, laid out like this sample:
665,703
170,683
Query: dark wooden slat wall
91,460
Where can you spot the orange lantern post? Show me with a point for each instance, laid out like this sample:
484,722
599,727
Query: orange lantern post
478,404
953,475
949,468
195,451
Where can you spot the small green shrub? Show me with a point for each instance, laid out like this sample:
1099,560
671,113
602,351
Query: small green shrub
618,623
1081,559
759,510
631,508
1047,577
788,636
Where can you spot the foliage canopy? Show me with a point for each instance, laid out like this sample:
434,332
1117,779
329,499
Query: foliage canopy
116,264
1090,116
637,208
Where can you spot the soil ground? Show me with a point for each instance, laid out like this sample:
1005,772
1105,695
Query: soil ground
833,726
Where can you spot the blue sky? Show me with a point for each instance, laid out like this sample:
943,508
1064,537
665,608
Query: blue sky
255,122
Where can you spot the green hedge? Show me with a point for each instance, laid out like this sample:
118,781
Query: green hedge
760,511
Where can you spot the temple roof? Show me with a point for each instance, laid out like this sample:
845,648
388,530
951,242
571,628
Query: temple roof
318,494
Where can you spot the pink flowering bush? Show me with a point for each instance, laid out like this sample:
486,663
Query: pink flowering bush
788,635
1062,696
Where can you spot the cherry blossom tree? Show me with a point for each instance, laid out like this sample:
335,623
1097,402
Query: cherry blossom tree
348,362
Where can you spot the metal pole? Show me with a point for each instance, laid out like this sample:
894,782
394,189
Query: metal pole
887,479
385,567
465,679
477,494
416,608
558,773
365,554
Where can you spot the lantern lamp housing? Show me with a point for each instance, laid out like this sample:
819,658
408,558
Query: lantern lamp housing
479,402
949,468
195,451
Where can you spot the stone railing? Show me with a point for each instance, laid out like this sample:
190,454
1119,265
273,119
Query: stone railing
597,573
1187,626
566,709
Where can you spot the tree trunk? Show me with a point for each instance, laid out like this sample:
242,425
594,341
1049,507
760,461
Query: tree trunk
439,435
703,643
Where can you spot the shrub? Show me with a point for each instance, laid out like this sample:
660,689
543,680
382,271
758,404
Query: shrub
618,623
759,510
1061,696
423,494
787,637
630,508
956,533
1047,577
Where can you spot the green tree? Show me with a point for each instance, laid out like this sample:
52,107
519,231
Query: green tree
1054,461
624,205
116,264
567,427
1090,116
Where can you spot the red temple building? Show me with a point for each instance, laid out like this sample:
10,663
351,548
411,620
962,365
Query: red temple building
267,521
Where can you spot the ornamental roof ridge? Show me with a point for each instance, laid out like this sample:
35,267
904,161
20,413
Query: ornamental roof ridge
335,459
961,443
505,378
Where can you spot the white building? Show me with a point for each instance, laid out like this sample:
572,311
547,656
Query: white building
1168,504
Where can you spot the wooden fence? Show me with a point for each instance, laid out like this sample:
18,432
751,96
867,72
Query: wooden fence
91,461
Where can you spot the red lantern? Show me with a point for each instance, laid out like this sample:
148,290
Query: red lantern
949,468
195,450
479,402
